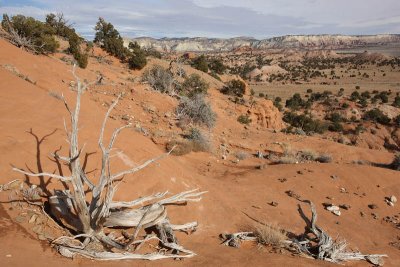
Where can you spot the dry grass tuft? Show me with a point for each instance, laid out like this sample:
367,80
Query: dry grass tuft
270,234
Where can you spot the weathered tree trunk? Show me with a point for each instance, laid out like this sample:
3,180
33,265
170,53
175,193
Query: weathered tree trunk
89,219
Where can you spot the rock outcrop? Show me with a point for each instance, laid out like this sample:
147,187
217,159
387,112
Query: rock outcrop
311,42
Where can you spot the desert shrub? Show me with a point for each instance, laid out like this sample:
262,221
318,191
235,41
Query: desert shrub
289,159
335,117
270,235
200,63
217,66
194,85
60,24
159,79
74,48
110,40
81,59
38,34
324,158
196,110
305,122
295,102
363,102
234,88
396,102
261,94
366,94
355,96
277,103
335,127
376,115
308,155
244,119
382,96
396,121
137,59
309,91
214,75
359,129
151,52
345,105
200,142
181,148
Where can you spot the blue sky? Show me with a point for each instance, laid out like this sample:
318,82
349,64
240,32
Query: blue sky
220,18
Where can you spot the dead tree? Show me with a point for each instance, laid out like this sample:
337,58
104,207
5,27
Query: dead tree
318,246
323,247
89,219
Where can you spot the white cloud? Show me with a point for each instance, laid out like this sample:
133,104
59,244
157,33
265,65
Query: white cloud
223,18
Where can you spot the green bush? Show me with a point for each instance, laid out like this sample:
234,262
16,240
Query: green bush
194,85
244,119
305,122
376,115
38,33
396,102
335,127
200,63
234,88
110,40
217,66
137,59
396,121
295,102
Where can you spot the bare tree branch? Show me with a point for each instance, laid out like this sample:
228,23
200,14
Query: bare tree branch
62,178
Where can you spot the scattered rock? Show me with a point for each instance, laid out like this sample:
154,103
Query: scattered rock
42,237
125,117
33,218
334,177
372,206
38,229
334,209
345,206
391,200
375,216
274,204
292,194
261,167
343,190
362,214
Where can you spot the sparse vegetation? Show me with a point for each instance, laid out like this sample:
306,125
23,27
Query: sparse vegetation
194,85
196,110
110,40
160,79
244,119
234,88
31,34
137,58
200,63
377,115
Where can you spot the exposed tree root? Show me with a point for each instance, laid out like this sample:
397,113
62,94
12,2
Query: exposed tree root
320,246
90,218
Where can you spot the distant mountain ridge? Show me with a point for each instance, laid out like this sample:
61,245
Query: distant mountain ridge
203,44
